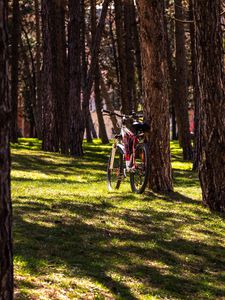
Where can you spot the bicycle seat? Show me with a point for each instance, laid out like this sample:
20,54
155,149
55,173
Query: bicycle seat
138,126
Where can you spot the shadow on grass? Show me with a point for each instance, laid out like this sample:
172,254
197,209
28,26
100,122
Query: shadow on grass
117,247
106,254
50,163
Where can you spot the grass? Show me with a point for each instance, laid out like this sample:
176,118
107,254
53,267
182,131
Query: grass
74,240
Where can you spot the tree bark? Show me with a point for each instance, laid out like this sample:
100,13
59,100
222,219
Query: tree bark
181,101
126,107
50,133
97,91
94,55
114,50
172,88
76,118
174,124
129,48
196,154
38,104
6,256
93,130
15,36
55,129
108,102
61,80
210,69
29,88
137,52
156,104
84,71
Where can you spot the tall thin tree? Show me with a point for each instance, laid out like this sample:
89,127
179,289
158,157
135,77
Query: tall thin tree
196,152
211,79
126,104
6,260
129,47
15,36
50,133
137,49
156,104
61,78
55,117
94,55
76,129
38,104
97,90
181,99
88,120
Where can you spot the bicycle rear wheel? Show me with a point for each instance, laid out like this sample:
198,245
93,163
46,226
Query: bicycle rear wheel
140,174
115,172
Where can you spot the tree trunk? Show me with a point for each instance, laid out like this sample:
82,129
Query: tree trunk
29,87
174,124
30,79
50,129
38,104
98,101
93,131
137,52
84,71
129,48
156,104
94,55
126,107
196,154
61,80
181,103
55,131
108,102
15,36
76,119
6,256
209,54
172,88
113,42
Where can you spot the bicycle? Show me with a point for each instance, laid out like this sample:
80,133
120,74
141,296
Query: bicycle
129,154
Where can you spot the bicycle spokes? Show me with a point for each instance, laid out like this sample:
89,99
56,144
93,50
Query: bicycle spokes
115,169
139,175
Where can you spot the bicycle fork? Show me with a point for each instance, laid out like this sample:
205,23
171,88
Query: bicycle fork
113,156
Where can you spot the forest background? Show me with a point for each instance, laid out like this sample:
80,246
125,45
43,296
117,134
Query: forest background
162,57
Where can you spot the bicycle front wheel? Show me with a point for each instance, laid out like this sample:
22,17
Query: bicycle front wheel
115,171
140,173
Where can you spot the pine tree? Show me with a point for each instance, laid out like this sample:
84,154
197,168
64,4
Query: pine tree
6,260
209,53
76,119
181,99
97,90
156,104
55,117
15,36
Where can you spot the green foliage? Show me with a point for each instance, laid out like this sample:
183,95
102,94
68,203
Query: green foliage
74,240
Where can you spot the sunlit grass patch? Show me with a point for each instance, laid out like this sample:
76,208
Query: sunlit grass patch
75,240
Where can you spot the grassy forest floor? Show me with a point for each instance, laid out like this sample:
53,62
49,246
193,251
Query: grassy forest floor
75,240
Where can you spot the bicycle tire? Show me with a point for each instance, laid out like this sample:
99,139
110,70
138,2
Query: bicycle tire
115,176
141,171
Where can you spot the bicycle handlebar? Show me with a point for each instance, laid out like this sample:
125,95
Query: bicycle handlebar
132,116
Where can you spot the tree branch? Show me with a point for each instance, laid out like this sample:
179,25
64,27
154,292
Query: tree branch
179,20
